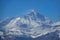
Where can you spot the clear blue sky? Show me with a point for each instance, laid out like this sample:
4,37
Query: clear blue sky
12,8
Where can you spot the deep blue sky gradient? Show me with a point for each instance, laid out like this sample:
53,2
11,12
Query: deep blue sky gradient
12,8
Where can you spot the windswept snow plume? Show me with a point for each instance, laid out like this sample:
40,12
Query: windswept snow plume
31,25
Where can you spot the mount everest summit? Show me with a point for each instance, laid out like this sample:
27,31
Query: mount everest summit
33,26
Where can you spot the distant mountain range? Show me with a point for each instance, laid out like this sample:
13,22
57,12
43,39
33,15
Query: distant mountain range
33,26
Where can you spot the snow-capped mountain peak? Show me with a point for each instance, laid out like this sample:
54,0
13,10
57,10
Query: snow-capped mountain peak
35,15
32,25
